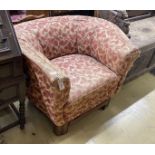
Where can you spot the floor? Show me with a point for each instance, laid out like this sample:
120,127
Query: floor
129,119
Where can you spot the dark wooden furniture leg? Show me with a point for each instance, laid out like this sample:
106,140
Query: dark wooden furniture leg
22,115
60,130
153,71
22,106
106,105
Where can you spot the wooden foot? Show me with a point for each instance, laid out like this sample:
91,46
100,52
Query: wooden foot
22,115
60,130
153,71
106,105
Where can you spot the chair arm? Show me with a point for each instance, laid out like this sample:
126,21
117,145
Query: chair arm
113,48
52,83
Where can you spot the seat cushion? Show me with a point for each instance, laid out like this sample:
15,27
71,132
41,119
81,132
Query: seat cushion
91,83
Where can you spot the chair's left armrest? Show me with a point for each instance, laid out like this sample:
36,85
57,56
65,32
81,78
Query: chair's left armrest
49,80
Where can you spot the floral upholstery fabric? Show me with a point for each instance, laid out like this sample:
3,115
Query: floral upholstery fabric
58,38
87,89
74,63
87,35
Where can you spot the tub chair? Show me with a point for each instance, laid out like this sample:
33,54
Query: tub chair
75,65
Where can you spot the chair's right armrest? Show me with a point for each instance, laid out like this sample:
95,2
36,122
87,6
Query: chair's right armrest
113,48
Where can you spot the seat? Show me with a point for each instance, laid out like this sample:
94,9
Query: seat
75,64
85,85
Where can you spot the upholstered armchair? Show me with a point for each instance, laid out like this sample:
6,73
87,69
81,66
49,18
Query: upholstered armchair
75,64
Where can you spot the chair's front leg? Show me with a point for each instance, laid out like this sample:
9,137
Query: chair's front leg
60,130
106,104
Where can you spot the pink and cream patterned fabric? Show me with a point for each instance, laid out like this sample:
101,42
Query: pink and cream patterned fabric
75,63
91,83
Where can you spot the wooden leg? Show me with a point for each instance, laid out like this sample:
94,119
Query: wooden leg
60,130
106,105
22,105
22,115
153,71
